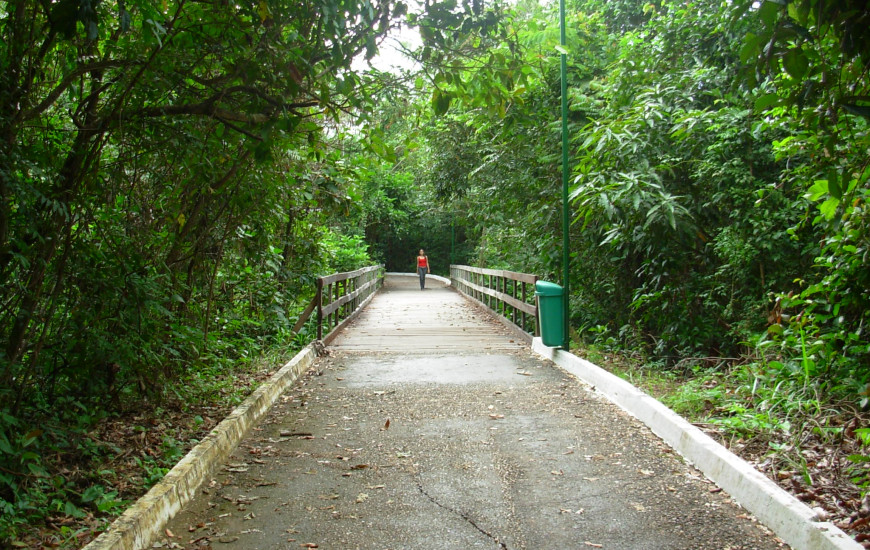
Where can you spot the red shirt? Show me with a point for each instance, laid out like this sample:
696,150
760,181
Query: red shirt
423,261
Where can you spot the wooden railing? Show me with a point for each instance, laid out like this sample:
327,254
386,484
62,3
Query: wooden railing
339,296
507,293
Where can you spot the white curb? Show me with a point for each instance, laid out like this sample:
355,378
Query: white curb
136,528
438,278
792,520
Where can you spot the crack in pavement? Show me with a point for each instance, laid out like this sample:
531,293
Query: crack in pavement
460,514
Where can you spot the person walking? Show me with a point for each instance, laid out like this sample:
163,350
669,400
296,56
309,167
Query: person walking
422,267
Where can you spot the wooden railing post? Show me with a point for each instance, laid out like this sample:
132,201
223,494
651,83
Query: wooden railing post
513,291
535,319
523,313
319,298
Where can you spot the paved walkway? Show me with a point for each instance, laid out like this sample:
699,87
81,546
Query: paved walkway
429,425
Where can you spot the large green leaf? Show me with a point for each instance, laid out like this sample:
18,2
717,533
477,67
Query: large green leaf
440,102
796,63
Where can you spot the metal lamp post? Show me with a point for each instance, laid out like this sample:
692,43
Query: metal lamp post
565,172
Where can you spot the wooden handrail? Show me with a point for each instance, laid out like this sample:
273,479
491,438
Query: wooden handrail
335,277
512,275
508,294
346,293
347,298
341,295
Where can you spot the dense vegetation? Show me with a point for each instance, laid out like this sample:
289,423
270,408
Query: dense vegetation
174,176
167,177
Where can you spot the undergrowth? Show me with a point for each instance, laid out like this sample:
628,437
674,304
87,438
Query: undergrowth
68,472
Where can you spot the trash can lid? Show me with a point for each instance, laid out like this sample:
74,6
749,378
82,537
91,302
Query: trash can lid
546,288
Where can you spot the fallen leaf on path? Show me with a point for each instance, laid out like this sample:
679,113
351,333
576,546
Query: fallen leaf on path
496,416
646,472
170,534
309,545
376,486
387,424
593,545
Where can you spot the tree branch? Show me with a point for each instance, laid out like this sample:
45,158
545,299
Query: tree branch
66,82
239,129
209,109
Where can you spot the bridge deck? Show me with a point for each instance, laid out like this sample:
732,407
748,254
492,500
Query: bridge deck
429,426
404,319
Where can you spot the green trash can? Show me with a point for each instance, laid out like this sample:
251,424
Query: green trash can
551,311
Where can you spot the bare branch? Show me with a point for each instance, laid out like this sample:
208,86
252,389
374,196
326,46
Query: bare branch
66,82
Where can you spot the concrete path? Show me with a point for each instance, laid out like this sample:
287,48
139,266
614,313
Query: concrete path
429,425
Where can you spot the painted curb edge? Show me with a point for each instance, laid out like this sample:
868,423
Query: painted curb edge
439,278
138,525
792,520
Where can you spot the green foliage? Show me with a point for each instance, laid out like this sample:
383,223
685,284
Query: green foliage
690,207
395,208
165,177
173,178
667,180
345,253
815,61
29,488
